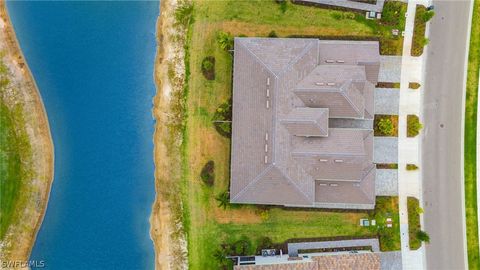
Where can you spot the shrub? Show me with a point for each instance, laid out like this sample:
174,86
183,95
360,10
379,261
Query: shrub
272,34
413,85
222,119
208,173
183,14
423,236
411,167
225,40
337,15
394,14
283,5
428,15
243,246
385,126
223,199
208,67
264,243
413,125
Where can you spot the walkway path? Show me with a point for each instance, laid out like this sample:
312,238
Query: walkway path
409,149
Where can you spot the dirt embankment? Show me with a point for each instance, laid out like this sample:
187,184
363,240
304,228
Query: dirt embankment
167,231
23,91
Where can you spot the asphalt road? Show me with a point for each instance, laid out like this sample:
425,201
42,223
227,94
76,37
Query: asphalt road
442,172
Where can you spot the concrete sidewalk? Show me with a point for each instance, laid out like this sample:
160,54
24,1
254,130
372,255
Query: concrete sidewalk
409,149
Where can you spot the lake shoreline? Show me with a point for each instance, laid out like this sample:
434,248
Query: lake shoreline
166,227
38,128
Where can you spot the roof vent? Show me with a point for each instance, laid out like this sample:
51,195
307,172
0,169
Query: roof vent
323,185
356,185
338,160
331,84
266,159
330,61
323,160
340,61
266,148
334,185
268,104
266,136
268,92
319,83
268,81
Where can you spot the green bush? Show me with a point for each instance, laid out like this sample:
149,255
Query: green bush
225,40
223,199
426,16
394,14
208,173
385,126
183,14
413,125
411,167
423,236
272,34
208,67
222,119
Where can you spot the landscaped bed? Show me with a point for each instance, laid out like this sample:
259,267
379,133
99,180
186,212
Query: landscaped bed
386,125
422,16
413,125
208,224
414,211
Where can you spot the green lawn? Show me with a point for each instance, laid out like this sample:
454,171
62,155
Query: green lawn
209,226
470,140
14,155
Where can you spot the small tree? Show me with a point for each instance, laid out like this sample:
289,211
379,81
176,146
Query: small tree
385,126
208,173
220,256
223,199
423,236
225,40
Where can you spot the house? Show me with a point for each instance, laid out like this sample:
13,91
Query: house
285,149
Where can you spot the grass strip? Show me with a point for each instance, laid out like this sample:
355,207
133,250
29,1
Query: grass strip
471,139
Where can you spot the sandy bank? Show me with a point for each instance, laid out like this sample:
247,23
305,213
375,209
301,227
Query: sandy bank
20,237
166,220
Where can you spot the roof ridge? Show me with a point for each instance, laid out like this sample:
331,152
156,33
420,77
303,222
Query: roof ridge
258,59
256,179
343,92
294,184
372,168
300,55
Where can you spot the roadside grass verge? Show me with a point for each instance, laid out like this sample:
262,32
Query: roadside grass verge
470,141
413,207
208,226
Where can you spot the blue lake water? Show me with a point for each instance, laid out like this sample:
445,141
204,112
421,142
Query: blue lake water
93,63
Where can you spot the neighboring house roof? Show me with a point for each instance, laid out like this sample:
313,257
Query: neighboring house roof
360,261
284,92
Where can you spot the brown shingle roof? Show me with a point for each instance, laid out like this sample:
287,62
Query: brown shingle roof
270,117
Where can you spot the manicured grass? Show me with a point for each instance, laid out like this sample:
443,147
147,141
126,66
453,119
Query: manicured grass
470,141
414,210
208,225
387,207
14,159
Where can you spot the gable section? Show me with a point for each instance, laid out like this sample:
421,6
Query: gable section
272,188
277,53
